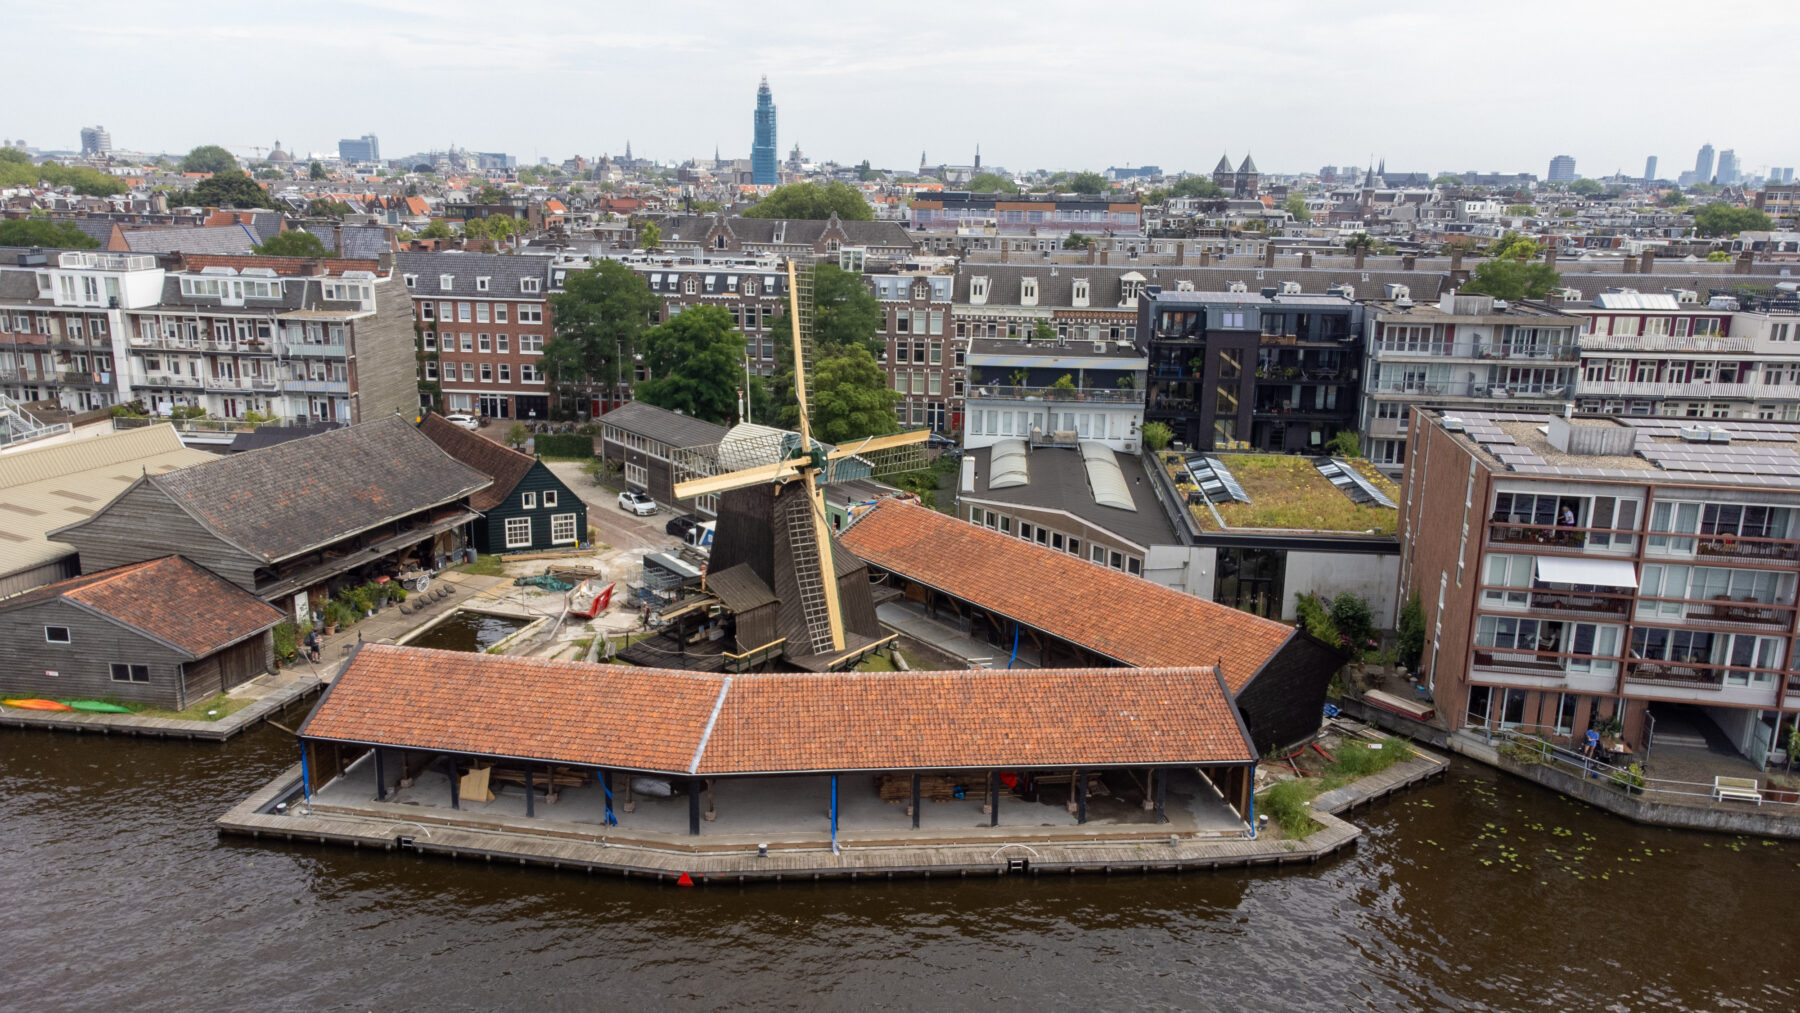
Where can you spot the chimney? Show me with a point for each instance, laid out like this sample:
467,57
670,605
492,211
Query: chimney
1361,254
1091,255
1004,249
1550,253
1742,266
1180,253
1268,254
1630,265
1105,256
1647,262
1407,262
1306,258
1455,260
1206,258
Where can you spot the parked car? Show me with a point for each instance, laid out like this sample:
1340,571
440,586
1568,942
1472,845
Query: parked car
465,421
637,503
680,526
938,441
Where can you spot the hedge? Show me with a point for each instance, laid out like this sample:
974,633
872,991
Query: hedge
564,445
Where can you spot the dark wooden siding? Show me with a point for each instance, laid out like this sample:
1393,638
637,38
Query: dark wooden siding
144,524
83,666
490,530
756,627
1285,702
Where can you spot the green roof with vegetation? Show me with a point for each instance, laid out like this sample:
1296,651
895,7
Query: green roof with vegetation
1287,492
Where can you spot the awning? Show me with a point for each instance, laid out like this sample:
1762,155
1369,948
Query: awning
1591,572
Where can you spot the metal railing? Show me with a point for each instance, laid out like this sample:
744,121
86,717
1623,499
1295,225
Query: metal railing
1532,749
1107,395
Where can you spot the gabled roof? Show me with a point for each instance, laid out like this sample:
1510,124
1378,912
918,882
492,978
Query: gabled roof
169,599
740,588
708,723
1127,618
1224,164
283,500
664,426
200,239
1248,165
504,465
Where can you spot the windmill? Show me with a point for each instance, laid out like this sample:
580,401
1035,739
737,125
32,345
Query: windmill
771,487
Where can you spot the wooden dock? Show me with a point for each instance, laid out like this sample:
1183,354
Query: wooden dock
1368,789
279,694
796,856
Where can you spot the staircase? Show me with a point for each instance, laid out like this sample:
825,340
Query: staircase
803,553
18,425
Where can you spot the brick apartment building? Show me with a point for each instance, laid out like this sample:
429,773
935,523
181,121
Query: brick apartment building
483,319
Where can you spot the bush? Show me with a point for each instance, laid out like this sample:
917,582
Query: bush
1157,436
1411,634
1286,804
1315,619
1351,614
1344,444
287,636
565,445
1355,758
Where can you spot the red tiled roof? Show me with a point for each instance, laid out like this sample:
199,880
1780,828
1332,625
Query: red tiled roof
708,723
170,599
1129,618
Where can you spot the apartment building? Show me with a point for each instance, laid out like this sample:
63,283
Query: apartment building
1057,215
1460,352
1275,370
924,359
1056,392
326,340
1669,353
1573,570
483,319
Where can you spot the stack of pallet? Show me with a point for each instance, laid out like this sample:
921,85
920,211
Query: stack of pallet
895,788
541,780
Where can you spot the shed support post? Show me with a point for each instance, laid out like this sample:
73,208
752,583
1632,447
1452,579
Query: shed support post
915,800
530,794
1080,796
834,814
380,779
993,798
606,786
1162,792
693,806
455,786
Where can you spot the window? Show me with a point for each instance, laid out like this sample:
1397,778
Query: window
484,342
481,285
530,284
130,673
464,311
531,314
487,372
468,372
505,373
57,635
431,341
431,370
412,281
518,532
531,344
549,497
1509,578
446,282
528,500
562,529
468,342
481,313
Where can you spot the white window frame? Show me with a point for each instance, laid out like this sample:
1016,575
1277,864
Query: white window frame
561,522
513,524
528,501
549,497
68,636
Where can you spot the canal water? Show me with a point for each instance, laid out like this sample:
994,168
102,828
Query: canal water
468,631
1478,892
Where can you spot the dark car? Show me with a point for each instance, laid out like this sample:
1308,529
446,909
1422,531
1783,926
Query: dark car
938,441
680,526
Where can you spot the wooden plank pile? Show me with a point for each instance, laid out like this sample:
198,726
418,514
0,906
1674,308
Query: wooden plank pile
897,788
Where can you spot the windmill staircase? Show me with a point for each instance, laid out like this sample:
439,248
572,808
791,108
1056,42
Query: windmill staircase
803,550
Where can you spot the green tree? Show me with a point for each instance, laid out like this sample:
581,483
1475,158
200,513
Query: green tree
563,363
316,170
1721,219
988,182
1196,186
1042,331
1296,206
812,201
851,398
1359,242
604,311
1673,199
1344,444
1088,182
294,243
209,158
1077,241
693,362
1521,209
1513,279
650,237
437,228
1447,180
269,173
1719,256
1410,634
231,190
322,208
38,232
1586,187
490,194
1157,435
80,178
13,155
1513,246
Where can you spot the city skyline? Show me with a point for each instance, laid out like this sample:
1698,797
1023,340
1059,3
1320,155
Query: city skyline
841,72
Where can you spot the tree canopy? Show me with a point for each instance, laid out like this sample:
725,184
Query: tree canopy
490,194
493,227
693,362
8,153
989,182
1521,210
323,208
812,201
604,311
1672,199
1088,182
230,190
1077,241
1720,219
1513,279
1296,206
1447,179
650,236
83,180
1513,246
1196,186
316,170
1586,187
437,228
209,158
38,232
295,243
851,397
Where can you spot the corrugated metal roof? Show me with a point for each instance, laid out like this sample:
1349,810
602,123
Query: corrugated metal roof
45,488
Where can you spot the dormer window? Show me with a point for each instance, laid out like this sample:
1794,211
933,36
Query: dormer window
711,282
1079,292
690,286
446,282
749,286
412,281
1028,291
481,284
978,289
719,242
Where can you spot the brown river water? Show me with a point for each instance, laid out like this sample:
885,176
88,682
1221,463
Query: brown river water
1477,892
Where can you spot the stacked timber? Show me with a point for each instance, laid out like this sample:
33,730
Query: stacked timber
895,788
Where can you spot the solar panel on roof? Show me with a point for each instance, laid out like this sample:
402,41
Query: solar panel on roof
1232,488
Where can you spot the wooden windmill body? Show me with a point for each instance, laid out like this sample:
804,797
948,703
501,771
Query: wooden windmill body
772,517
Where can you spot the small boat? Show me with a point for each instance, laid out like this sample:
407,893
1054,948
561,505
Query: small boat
38,705
590,598
98,707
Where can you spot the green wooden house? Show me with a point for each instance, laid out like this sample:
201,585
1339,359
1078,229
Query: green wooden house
527,509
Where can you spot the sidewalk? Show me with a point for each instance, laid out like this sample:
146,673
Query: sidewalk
909,619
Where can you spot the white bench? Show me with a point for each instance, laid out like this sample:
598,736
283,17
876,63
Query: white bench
1742,789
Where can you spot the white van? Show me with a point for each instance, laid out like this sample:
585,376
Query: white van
700,536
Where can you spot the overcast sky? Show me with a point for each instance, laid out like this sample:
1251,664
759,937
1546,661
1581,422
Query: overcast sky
1431,85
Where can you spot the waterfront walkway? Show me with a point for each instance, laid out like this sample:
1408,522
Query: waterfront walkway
909,620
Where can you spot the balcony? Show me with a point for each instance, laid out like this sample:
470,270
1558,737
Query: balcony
1750,550
1700,344
1535,353
1474,388
301,385
1100,395
1584,603
166,380
291,349
1677,674
1504,532
1688,389
252,383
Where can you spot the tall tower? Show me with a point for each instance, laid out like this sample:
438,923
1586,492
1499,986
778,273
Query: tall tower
1728,167
1703,164
762,149
1649,168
